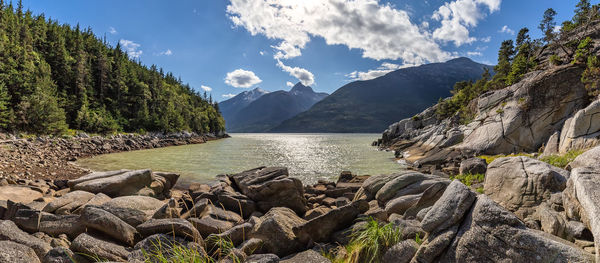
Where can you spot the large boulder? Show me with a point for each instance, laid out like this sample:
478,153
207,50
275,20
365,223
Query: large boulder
133,209
590,158
308,256
320,228
9,231
109,224
407,183
17,253
117,184
490,233
68,202
521,183
19,194
275,229
208,225
271,187
174,226
582,130
586,185
96,248
450,208
55,225
473,166
401,252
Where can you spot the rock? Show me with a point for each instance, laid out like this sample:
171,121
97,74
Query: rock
590,158
109,224
551,147
490,233
68,203
577,230
252,246
520,183
62,224
473,166
450,208
582,130
271,187
28,219
123,184
97,200
93,176
174,226
208,225
170,178
551,221
320,228
19,194
59,255
198,208
308,256
586,182
313,213
434,244
168,210
400,204
165,242
236,234
92,247
401,252
237,203
392,188
221,214
10,232
17,253
275,228
410,228
427,199
262,258
133,209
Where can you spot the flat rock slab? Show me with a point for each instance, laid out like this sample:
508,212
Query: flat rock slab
122,184
18,194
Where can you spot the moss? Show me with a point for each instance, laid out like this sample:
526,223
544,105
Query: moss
469,179
562,160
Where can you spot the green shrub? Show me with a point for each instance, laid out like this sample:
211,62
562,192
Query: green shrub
469,179
562,160
555,60
490,158
370,243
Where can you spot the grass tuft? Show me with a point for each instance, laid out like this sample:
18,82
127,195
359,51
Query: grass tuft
469,179
490,158
562,160
370,243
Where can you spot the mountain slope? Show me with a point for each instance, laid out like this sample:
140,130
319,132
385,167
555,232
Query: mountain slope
231,107
271,109
372,105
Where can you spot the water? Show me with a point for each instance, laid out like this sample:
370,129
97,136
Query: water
309,157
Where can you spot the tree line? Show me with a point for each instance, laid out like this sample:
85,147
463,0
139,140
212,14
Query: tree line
55,77
516,58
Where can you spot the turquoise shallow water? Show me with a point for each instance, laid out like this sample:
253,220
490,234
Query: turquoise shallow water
309,157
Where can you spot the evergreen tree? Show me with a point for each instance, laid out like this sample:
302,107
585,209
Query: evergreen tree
582,12
547,25
6,114
522,37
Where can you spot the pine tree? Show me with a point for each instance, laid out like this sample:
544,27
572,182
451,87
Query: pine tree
6,113
547,25
582,11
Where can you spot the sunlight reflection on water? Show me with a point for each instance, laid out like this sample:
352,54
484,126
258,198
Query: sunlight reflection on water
308,156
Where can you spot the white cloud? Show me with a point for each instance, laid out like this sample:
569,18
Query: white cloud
305,76
228,96
206,88
240,78
262,53
289,84
112,31
167,52
131,48
458,16
557,29
486,39
474,54
379,30
507,30
385,68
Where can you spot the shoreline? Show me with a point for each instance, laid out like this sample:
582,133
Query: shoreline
54,158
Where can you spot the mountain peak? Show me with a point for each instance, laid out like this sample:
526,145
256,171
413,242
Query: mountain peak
300,88
460,60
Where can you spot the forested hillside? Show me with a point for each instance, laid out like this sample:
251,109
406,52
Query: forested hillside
55,77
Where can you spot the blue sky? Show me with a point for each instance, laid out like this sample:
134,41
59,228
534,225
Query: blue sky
229,46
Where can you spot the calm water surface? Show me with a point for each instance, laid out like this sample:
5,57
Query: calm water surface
308,156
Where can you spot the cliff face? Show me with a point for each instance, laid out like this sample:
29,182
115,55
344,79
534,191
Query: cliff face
549,108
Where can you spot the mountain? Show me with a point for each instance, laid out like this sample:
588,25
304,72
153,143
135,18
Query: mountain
231,107
269,110
372,105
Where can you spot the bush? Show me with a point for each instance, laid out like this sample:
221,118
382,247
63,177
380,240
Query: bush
490,158
370,243
555,60
469,179
562,160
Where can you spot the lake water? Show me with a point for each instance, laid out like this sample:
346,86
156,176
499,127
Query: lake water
309,157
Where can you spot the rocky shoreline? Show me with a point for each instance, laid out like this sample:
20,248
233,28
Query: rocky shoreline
530,212
52,158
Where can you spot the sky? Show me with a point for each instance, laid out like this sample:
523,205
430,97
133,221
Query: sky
229,46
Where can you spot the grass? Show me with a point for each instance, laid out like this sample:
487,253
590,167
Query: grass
469,179
418,239
562,160
369,244
490,158
174,253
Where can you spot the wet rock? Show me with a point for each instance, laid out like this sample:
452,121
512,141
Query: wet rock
97,248
17,253
520,183
109,224
271,187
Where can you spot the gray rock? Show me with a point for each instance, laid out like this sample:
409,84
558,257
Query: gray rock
434,244
551,221
237,203
236,234
400,204
373,184
490,233
168,210
68,202
174,226
208,225
262,258
450,208
520,184
123,184
10,232
586,182
92,248
17,253
97,200
428,198
308,256
59,255
109,224
54,225
473,166
320,228
275,229
577,230
133,209
95,175
161,244
551,146
590,158
271,187
390,189
401,252
19,194
582,130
